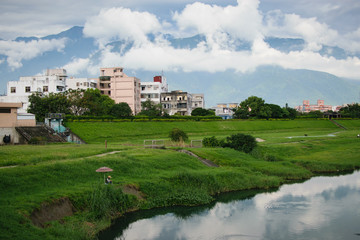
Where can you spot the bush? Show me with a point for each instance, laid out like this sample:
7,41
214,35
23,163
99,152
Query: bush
211,142
178,135
241,142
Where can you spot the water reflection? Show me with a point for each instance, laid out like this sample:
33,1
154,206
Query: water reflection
321,208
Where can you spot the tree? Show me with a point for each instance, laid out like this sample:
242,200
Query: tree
289,112
121,110
149,108
96,103
202,112
41,104
178,135
253,107
276,111
351,110
241,142
77,101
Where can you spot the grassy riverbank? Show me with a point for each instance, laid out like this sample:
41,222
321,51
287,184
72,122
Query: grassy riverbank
45,174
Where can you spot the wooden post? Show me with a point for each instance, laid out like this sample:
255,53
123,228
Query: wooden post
105,144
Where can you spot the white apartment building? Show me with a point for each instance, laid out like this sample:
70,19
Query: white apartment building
198,100
176,102
225,110
53,81
153,90
81,83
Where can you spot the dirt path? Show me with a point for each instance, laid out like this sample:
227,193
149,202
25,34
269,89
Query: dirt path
103,154
8,166
98,155
204,161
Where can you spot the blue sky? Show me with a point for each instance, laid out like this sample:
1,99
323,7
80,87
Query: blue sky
224,23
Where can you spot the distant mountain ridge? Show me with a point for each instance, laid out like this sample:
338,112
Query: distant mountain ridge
274,84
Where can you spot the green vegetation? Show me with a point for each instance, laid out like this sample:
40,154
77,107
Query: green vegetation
202,112
178,135
255,108
289,150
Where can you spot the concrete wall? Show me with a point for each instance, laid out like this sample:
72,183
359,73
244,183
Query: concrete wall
15,137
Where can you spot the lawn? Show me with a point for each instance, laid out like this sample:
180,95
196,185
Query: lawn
137,132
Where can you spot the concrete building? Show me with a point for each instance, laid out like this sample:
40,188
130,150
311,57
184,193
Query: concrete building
198,100
177,102
81,83
120,87
10,118
153,90
53,81
225,110
307,107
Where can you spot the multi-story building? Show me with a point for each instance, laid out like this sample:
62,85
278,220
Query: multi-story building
225,110
306,107
120,87
81,83
177,102
53,81
198,100
10,118
152,90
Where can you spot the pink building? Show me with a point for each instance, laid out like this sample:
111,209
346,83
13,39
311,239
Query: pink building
320,106
120,87
10,118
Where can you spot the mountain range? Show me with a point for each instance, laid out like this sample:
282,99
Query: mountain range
272,83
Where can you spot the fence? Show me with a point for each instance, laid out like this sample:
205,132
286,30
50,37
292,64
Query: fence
154,144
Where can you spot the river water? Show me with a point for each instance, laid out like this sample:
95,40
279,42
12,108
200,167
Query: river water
320,208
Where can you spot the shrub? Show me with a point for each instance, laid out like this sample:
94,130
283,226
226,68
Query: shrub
178,135
211,142
241,142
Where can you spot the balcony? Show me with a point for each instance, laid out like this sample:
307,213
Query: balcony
104,78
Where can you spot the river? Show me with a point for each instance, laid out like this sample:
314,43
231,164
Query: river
320,208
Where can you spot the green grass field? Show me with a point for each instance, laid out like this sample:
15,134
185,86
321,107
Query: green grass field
137,132
291,150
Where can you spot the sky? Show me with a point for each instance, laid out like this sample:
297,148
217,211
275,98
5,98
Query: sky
224,24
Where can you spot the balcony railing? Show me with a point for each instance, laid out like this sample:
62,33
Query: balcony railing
104,78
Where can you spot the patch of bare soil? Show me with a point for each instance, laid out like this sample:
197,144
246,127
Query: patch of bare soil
134,190
260,140
56,210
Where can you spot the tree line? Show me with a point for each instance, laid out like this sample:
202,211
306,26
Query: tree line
92,103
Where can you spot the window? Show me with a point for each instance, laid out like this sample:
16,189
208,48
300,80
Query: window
27,89
5,110
59,88
77,84
13,89
45,88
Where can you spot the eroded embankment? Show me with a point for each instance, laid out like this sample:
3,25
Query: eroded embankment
53,211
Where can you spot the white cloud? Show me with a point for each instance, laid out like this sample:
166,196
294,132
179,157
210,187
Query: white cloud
121,24
223,27
242,21
156,57
292,25
77,65
16,52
